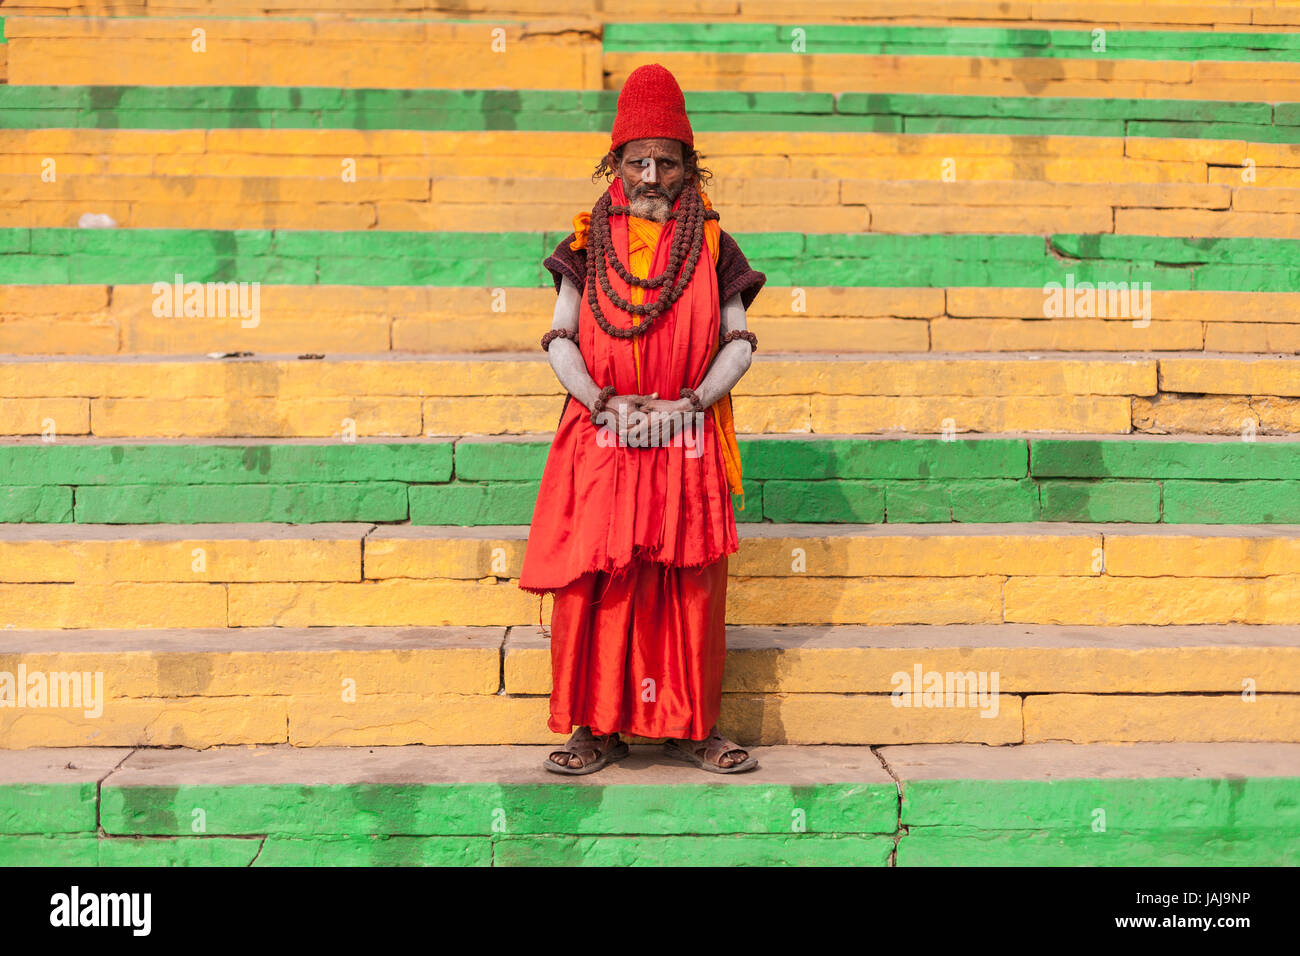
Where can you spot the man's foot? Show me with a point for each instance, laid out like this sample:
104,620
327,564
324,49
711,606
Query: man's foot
586,753
715,753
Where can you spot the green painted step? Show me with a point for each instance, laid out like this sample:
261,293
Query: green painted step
264,107
948,41
954,804
495,481
918,40
1071,805
386,258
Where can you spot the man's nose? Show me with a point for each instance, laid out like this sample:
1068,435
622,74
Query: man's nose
648,174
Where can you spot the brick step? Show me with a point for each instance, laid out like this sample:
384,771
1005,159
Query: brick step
958,804
369,54
753,205
404,107
467,259
850,479
953,74
869,38
108,320
149,576
1137,171
513,393
1234,15
324,52
383,686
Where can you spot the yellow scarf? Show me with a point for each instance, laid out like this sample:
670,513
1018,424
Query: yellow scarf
642,237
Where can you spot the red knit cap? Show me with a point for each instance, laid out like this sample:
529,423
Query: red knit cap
651,106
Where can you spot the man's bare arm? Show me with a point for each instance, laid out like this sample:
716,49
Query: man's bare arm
565,356
571,369
733,359
731,362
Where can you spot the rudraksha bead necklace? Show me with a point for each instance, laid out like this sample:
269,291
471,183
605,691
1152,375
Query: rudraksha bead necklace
684,255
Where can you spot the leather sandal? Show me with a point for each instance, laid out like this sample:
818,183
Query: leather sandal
706,753
587,748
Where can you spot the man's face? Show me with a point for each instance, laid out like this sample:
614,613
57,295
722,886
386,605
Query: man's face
653,174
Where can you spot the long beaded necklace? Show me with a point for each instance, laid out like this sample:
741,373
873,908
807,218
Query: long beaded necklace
687,244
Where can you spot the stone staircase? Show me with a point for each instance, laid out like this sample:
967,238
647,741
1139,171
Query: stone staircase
1014,586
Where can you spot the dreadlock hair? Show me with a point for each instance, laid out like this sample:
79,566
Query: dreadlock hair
693,172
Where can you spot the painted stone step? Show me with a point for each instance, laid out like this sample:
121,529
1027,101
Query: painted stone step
962,76
1050,804
364,54
326,686
1147,172
302,202
151,576
1064,804
1242,117
119,320
736,37
128,51
493,480
62,256
388,395
1227,15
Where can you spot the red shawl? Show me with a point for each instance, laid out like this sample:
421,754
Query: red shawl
601,505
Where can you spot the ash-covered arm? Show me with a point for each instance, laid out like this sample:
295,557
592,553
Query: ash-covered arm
731,362
733,359
565,356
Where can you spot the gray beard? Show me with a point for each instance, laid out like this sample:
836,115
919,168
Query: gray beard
656,209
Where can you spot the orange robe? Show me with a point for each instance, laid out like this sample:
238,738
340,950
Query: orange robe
634,541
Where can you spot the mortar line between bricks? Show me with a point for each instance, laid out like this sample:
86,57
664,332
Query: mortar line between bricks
898,788
501,661
261,845
99,792
371,530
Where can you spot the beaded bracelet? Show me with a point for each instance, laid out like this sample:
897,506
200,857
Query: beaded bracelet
745,334
696,403
554,334
598,405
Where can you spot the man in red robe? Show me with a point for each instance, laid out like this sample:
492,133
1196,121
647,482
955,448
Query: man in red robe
634,522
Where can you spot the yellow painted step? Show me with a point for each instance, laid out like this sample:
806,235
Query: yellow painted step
103,320
884,157
124,576
408,53
1028,659
1166,14
369,54
751,205
390,686
507,393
